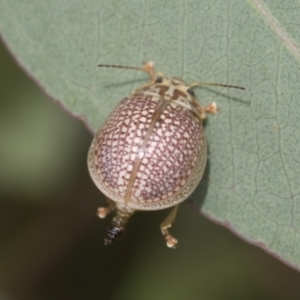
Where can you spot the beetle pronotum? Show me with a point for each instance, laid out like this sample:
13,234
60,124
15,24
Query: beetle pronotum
151,152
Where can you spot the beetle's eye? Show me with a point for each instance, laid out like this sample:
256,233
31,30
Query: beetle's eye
191,92
159,80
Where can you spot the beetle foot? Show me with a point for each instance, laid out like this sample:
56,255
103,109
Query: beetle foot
170,240
102,212
211,108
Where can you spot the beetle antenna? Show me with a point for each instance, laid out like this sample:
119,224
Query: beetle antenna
148,67
121,67
216,84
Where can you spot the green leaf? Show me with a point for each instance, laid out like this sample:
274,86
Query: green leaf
252,182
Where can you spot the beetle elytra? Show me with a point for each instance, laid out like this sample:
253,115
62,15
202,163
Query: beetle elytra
151,152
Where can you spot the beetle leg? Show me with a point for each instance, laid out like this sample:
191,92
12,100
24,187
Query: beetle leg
167,223
102,212
211,108
148,67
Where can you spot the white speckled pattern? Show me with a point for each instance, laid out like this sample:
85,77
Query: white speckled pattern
148,165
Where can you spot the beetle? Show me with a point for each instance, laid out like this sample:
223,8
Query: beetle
151,152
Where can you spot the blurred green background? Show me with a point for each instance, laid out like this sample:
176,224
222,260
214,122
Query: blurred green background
51,242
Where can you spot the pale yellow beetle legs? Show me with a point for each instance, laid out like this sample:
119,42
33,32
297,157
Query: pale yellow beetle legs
167,223
102,212
171,242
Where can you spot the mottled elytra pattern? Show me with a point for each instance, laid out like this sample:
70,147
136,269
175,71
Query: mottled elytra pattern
165,161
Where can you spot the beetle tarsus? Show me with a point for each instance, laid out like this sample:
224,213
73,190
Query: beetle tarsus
211,108
170,240
102,212
167,223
